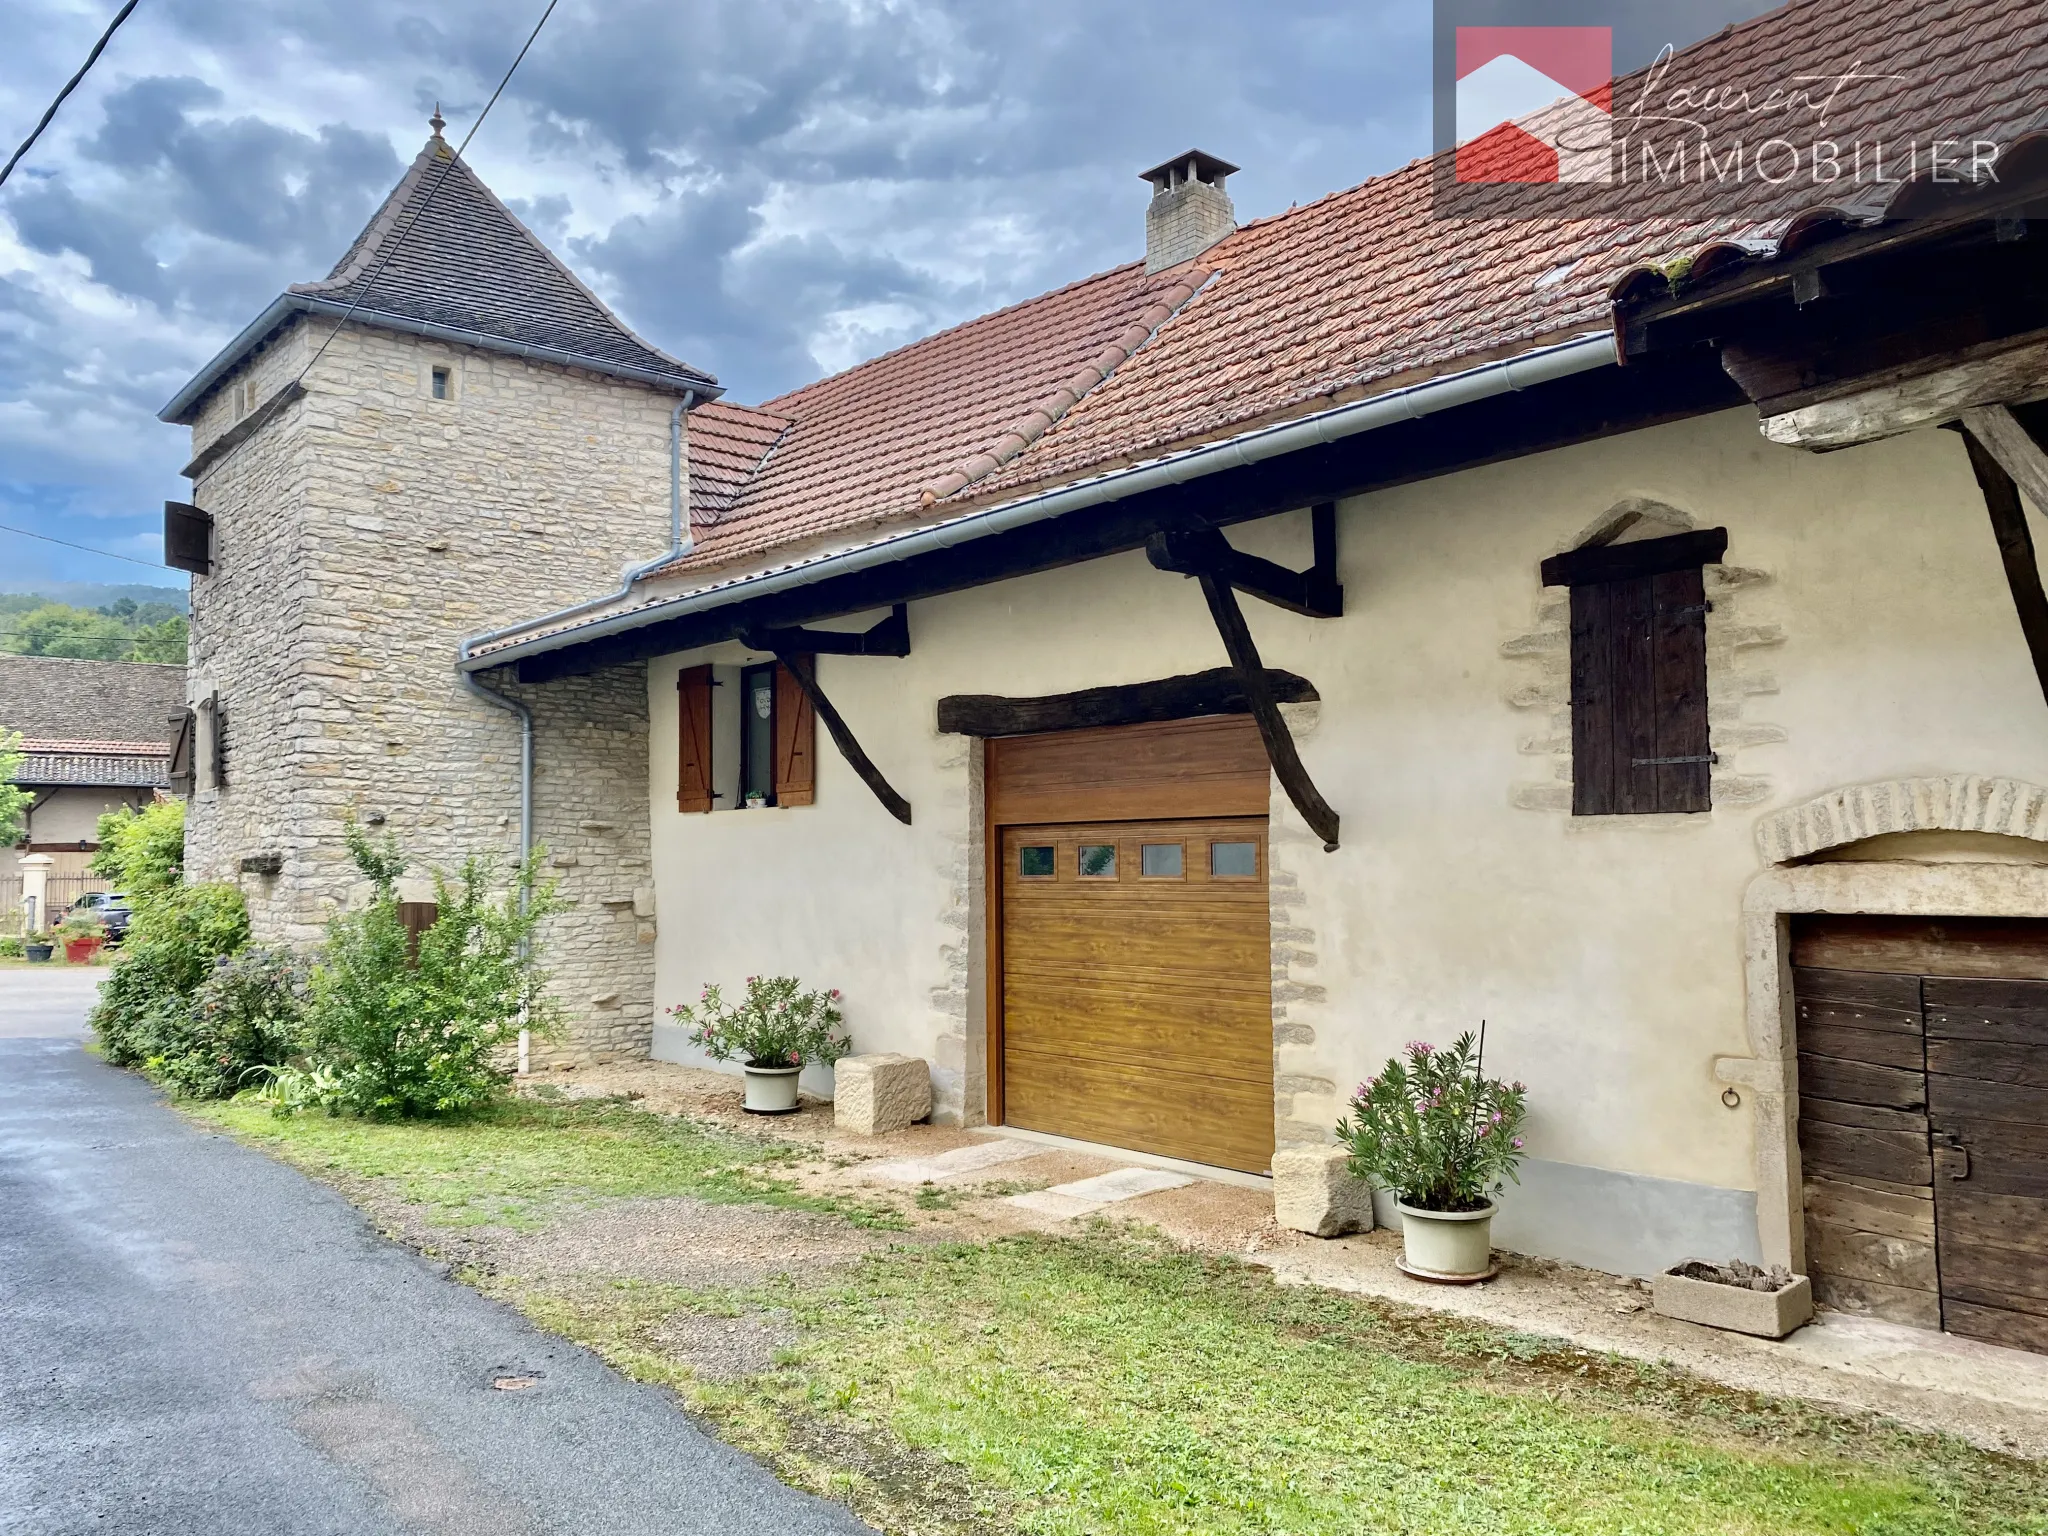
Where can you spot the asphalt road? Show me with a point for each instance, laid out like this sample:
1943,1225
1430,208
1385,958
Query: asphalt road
194,1338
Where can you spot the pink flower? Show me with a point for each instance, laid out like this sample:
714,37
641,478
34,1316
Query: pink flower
1419,1048
1517,1143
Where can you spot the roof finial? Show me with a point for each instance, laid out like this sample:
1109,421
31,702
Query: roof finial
437,122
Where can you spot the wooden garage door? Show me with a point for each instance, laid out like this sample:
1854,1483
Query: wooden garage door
1923,1127
1137,986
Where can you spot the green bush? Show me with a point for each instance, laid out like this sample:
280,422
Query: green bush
402,1035
143,852
173,943
240,1024
12,946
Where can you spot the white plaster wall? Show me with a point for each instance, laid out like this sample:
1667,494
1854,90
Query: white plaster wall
1606,954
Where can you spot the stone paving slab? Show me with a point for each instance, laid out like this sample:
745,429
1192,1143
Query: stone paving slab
1085,1196
951,1167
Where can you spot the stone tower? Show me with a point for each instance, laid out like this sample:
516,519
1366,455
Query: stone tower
447,434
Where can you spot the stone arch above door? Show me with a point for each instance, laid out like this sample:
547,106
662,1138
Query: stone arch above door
1962,802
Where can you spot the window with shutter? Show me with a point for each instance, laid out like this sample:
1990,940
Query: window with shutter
182,730
796,773
1639,674
693,718
188,538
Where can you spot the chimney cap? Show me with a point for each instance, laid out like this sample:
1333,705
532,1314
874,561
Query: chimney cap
1169,174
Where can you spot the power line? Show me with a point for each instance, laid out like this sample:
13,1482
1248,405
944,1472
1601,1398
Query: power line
69,86
392,250
30,533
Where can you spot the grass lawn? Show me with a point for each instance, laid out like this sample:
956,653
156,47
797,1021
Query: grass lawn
1111,1383
526,1159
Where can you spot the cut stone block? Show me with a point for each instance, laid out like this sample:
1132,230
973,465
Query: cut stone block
1767,1314
1315,1192
872,1095
954,1166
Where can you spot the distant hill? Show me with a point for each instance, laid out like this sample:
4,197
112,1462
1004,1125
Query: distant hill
98,594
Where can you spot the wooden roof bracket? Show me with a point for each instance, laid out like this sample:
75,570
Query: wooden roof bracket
1195,554
888,637
2007,457
1315,592
796,656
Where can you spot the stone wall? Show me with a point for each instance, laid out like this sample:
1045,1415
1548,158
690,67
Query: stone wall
360,537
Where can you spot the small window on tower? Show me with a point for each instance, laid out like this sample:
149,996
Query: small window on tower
443,384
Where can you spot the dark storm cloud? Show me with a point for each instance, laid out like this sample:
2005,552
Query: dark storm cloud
766,189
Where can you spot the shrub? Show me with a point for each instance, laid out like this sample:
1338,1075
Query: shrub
143,852
241,1023
12,946
1434,1130
778,1025
173,941
81,925
398,1034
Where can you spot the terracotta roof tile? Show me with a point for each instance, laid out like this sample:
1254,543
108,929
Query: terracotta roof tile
1355,293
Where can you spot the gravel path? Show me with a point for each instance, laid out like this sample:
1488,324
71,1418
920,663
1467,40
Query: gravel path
198,1339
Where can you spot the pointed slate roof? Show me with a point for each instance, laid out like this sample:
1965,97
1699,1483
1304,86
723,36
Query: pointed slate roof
444,257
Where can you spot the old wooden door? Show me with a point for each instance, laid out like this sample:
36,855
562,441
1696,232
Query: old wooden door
1137,987
1923,1127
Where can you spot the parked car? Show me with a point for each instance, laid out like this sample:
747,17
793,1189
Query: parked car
111,908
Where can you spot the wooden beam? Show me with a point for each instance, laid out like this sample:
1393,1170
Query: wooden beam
888,637
1582,408
1314,592
1189,697
1930,400
800,668
1999,431
1265,711
2015,549
1644,557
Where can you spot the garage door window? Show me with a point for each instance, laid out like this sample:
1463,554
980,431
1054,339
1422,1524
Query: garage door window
1035,863
1234,861
1160,861
1098,861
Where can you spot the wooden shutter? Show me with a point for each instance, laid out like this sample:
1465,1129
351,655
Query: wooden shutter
188,538
796,770
416,917
1639,676
182,725
693,739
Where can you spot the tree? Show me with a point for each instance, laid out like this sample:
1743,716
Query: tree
57,629
13,798
163,642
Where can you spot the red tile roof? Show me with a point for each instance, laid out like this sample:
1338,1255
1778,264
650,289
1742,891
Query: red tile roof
863,447
1354,294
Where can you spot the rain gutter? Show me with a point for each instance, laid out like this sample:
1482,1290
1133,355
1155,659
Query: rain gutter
1541,365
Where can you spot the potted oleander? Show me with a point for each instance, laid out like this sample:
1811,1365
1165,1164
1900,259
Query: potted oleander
1445,1140
777,1030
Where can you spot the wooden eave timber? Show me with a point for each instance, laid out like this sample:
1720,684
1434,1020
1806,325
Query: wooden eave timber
1584,407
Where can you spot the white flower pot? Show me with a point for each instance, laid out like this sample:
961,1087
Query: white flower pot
771,1090
1450,1247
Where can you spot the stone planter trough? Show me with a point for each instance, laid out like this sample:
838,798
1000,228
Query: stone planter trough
1687,1292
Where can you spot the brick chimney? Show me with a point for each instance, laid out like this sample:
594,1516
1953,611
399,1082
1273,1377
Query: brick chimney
1189,211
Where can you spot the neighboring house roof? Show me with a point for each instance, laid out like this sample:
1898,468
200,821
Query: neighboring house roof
446,258
104,705
139,765
1358,294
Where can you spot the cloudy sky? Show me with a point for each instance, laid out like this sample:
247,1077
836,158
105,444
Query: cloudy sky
772,189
